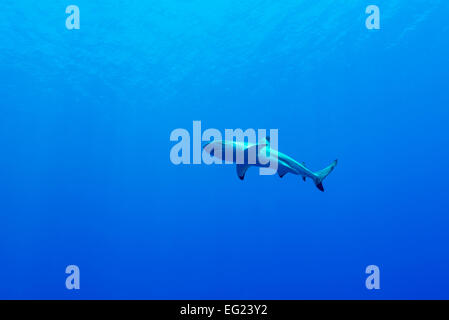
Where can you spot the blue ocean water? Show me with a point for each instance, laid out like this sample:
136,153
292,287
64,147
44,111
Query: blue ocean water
86,176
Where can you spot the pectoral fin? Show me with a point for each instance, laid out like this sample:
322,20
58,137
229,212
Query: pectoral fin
241,170
283,168
282,171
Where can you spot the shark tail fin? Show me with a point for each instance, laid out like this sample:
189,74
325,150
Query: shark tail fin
320,175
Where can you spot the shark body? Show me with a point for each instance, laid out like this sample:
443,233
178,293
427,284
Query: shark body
264,157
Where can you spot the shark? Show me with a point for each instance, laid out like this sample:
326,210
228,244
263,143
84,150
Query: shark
264,156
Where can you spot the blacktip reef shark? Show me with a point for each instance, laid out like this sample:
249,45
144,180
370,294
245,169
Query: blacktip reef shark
285,164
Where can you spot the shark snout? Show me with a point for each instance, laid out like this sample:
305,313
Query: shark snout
209,148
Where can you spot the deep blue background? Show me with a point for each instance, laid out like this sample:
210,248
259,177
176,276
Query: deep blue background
86,178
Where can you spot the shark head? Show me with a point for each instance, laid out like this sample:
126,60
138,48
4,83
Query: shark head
211,147
220,148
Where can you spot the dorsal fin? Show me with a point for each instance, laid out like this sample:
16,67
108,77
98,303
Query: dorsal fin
264,143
